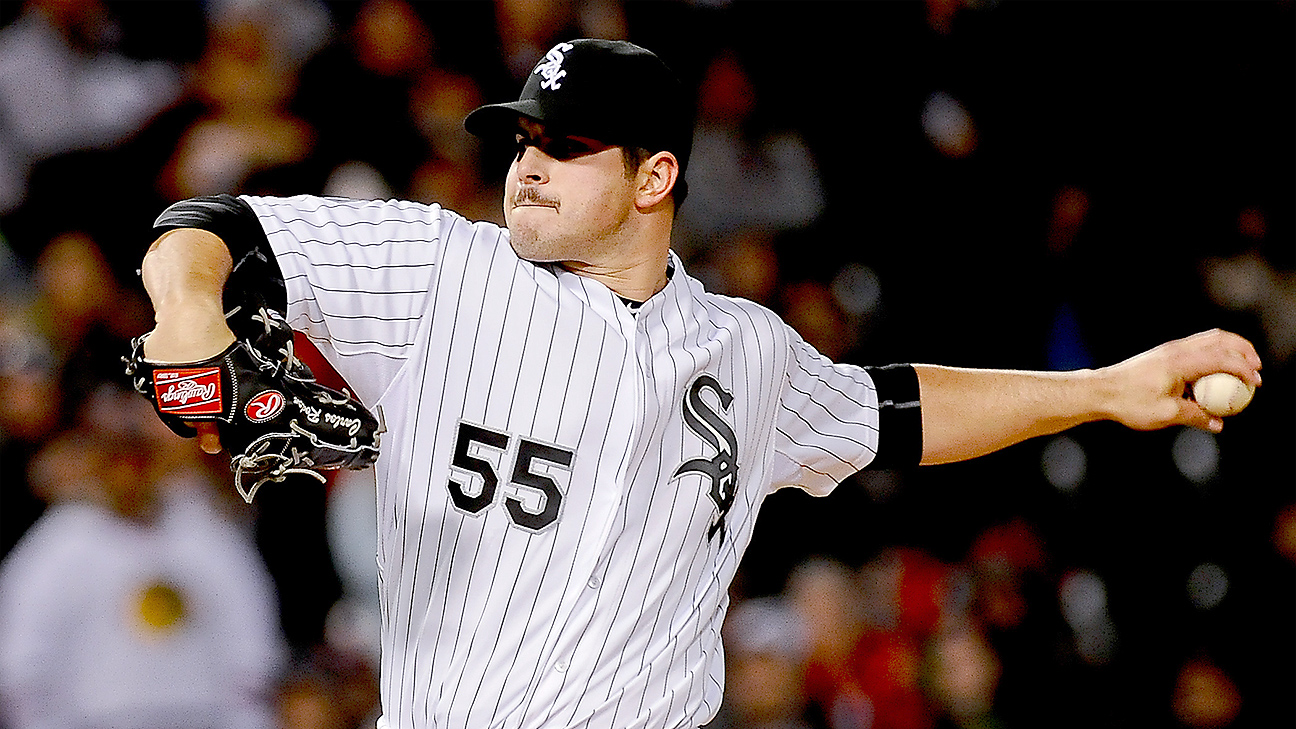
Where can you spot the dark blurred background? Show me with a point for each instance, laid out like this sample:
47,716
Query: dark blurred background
967,182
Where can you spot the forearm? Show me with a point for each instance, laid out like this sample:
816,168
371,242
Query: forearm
968,412
184,273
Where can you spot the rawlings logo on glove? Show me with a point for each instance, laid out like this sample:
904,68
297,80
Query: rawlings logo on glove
176,388
265,406
273,417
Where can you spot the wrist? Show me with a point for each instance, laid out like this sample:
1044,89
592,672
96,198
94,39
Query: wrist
1101,394
188,332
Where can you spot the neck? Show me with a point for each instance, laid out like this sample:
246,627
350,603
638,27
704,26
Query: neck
637,280
633,265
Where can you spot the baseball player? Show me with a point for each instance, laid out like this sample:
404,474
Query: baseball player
578,436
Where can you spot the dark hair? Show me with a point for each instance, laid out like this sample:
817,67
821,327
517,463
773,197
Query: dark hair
634,157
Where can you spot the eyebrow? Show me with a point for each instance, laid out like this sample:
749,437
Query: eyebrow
572,145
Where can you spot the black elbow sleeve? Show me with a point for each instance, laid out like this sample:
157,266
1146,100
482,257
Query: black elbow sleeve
899,416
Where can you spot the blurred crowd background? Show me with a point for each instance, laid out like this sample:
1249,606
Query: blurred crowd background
969,182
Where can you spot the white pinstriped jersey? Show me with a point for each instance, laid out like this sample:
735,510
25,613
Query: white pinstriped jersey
566,487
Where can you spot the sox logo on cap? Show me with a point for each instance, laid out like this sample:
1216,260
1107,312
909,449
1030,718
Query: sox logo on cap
550,69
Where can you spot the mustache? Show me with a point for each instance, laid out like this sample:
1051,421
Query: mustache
529,195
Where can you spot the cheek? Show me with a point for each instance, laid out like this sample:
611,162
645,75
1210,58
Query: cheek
600,198
510,180
509,188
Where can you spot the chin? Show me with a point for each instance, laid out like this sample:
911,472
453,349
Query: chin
529,247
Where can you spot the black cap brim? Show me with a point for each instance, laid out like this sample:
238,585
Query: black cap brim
494,120
500,120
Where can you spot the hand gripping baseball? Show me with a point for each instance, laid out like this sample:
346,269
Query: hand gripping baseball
273,417
1154,389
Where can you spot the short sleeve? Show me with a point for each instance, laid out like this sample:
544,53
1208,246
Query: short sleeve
827,427
837,419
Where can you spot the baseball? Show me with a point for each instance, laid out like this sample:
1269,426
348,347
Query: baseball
1222,394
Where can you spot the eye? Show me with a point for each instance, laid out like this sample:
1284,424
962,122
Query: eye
566,148
562,148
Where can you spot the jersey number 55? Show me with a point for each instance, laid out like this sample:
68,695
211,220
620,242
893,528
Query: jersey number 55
533,497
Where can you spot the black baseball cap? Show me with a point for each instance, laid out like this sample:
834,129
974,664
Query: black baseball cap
612,91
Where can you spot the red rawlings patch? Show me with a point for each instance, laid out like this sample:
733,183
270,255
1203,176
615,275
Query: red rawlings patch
265,406
188,392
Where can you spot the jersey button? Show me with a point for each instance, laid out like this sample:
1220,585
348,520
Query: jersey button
561,666
594,582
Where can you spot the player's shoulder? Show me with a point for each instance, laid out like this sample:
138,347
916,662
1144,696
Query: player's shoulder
307,207
724,310
737,306
348,217
718,302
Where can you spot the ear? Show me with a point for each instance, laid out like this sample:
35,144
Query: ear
656,179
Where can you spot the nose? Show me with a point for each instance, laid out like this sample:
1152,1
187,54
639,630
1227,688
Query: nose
530,166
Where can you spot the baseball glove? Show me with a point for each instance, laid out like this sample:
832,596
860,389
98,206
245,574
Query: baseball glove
273,417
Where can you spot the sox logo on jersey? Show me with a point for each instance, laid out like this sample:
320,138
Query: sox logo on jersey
722,468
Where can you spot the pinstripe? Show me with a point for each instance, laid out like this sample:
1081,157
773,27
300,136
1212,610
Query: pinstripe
451,561
753,497
643,531
298,204
827,411
328,242
828,385
527,544
322,287
567,582
699,560
366,266
384,243
410,489
562,411
700,590
394,677
662,467
321,340
811,427
483,625
358,317
686,586
552,627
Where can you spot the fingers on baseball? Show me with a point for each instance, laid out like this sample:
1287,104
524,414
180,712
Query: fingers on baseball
1221,351
1191,414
